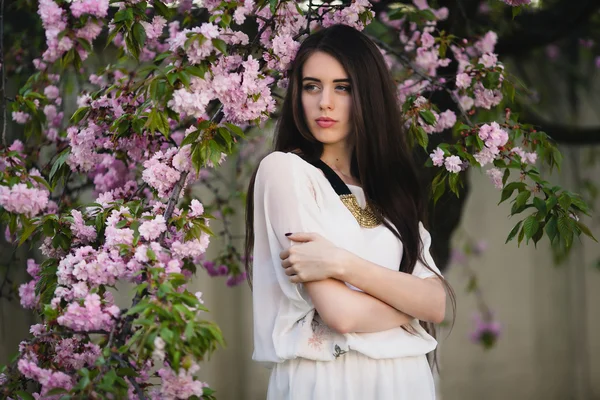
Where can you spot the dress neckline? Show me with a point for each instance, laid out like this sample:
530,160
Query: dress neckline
321,172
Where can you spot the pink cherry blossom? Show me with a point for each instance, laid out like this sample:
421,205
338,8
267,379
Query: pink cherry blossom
92,315
98,8
453,164
51,92
180,386
437,157
463,80
152,229
196,209
20,117
496,176
21,199
27,295
488,60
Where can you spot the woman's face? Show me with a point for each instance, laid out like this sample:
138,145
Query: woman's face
326,98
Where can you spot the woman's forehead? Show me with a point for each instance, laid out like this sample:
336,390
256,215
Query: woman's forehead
323,66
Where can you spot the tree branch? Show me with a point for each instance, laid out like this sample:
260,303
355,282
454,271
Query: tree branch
547,25
564,133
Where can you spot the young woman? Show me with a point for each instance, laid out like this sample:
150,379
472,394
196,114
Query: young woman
342,273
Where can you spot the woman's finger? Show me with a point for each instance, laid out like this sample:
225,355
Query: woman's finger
303,236
290,271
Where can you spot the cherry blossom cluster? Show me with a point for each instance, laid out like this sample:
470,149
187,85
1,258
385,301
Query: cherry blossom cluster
22,191
60,37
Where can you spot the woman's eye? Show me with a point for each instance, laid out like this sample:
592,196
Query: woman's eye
310,87
343,88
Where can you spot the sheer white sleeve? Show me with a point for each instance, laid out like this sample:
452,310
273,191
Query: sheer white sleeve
420,270
284,201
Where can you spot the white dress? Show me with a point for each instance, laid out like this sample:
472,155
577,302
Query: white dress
310,361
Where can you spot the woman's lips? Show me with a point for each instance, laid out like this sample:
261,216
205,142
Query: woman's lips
326,123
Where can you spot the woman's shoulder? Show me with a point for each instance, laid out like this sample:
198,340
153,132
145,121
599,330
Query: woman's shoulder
285,166
280,161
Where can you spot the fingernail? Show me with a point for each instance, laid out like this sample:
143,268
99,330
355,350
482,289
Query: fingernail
288,234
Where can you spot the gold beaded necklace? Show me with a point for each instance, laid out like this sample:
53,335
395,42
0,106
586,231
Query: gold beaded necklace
365,217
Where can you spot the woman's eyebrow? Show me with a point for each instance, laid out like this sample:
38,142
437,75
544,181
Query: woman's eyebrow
308,78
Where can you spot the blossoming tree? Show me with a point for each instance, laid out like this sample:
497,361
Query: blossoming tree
181,84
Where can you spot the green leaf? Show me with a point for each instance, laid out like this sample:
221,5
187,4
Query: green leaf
531,226
538,234
505,176
189,330
226,19
453,183
42,181
439,189
224,133
79,114
541,206
197,70
491,80
516,11
24,395
509,88
162,9
220,45
28,229
552,229
124,15
236,130
513,232
109,378
522,198
422,137
139,34
565,228
190,138
172,77
133,47
167,335
521,236
62,158
427,15
184,77
56,391
551,202
565,201
586,230
510,188
428,117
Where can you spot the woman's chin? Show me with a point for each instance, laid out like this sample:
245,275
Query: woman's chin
327,137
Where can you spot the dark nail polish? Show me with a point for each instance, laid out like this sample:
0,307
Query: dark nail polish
287,234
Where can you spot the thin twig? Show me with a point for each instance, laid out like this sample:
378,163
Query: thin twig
136,386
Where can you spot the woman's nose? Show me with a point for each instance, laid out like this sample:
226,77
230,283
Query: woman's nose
326,100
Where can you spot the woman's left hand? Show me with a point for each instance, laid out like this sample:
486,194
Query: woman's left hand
311,258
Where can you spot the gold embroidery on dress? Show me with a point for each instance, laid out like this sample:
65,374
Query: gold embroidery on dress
365,217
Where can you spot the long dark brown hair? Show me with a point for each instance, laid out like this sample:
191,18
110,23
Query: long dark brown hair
381,158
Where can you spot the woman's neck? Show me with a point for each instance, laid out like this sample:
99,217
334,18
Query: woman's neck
338,159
